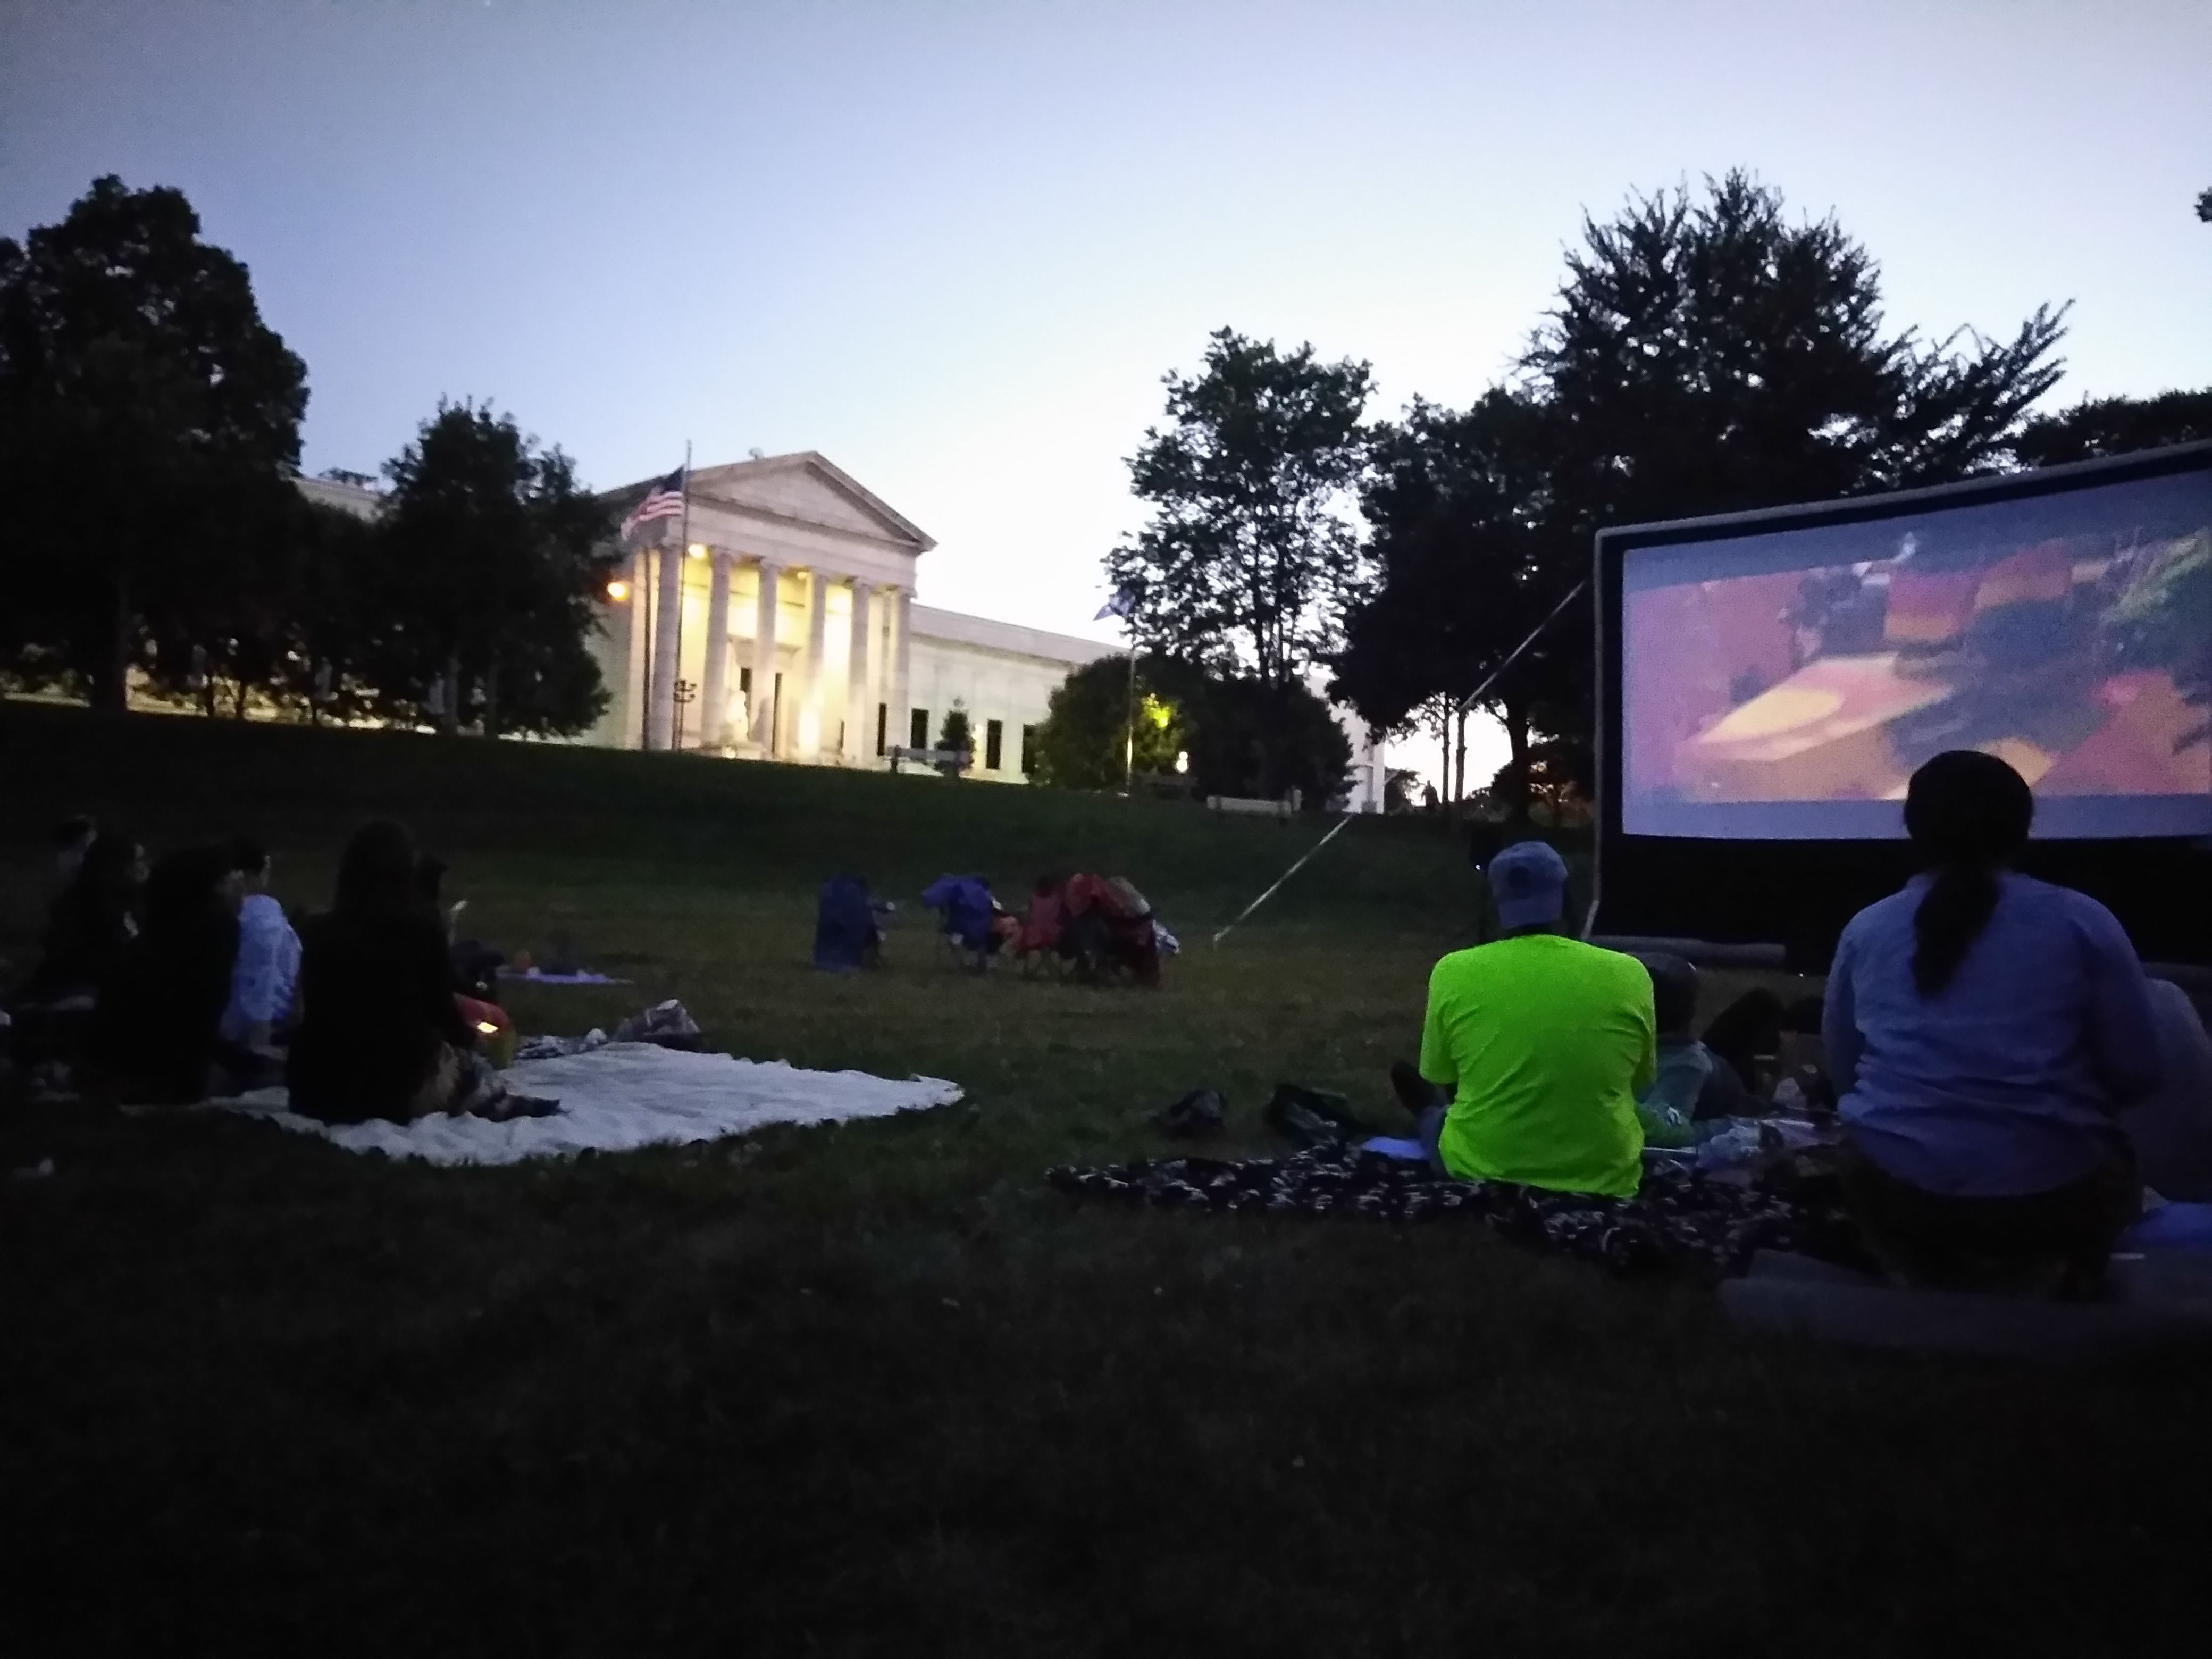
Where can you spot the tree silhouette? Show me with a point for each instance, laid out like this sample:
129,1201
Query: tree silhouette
149,421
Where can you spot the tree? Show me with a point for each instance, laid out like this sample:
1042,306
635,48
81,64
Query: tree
1248,739
1083,742
2115,426
494,561
956,736
1708,356
1251,553
2205,206
1468,563
148,420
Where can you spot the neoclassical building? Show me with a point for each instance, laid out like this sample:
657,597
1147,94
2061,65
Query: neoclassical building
776,621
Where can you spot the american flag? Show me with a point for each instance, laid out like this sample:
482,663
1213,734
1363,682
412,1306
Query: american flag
664,501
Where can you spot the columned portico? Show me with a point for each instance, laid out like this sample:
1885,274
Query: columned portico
902,664
668,628
860,701
813,731
763,709
715,691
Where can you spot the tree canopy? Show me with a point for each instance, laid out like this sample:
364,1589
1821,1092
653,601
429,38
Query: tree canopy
493,567
1706,354
148,422
1083,741
1240,738
2115,426
1252,549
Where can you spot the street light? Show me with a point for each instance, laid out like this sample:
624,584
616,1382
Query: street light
685,692
619,590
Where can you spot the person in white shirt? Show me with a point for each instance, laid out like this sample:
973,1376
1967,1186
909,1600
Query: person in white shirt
267,970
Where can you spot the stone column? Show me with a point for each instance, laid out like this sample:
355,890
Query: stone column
763,699
715,691
902,661
637,666
667,627
860,703
817,637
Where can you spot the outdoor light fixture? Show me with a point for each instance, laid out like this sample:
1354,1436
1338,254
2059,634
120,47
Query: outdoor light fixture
697,551
619,590
1182,760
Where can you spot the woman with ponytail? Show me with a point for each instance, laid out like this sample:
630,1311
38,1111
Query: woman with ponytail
1982,1029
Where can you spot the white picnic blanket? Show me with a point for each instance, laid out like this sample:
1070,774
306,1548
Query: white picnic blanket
622,1096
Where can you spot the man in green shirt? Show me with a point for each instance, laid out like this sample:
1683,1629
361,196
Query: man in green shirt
1544,1043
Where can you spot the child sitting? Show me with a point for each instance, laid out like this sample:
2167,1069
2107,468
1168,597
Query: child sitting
1692,1084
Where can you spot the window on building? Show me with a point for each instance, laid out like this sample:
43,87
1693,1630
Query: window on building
917,735
1029,749
995,743
883,726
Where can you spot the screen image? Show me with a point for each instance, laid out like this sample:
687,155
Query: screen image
1785,684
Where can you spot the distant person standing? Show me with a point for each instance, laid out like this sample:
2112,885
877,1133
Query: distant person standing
1983,1030
1543,1041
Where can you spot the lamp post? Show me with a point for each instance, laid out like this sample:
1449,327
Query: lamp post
684,691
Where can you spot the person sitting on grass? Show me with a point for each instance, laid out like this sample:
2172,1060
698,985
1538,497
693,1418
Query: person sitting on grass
152,1036
1982,1030
1695,1083
378,1032
267,971
1544,1043
73,839
89,925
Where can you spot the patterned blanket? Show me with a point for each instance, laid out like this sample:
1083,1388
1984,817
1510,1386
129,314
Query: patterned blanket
1679,1219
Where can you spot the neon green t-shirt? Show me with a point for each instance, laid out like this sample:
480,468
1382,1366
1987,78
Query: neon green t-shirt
1547,1041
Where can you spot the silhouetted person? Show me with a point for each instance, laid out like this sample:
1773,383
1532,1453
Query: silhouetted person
379,1034
154,1033
1982,1029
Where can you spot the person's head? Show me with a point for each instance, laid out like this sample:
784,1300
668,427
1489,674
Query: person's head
73,838
1528,884
249,865
1673,993
186,887
1969,814
376,872
114,865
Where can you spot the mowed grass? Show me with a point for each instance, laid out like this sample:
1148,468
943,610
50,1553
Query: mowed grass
874,1389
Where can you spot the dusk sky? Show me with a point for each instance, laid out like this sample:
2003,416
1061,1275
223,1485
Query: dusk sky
954,246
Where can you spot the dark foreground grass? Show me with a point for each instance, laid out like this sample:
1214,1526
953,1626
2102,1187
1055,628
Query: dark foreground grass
873,1389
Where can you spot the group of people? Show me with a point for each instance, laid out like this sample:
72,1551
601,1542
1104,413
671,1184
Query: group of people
2008,1080
167,983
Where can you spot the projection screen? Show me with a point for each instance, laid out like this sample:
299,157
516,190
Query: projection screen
1784,683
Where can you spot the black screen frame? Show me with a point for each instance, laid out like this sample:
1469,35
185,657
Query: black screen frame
1799,893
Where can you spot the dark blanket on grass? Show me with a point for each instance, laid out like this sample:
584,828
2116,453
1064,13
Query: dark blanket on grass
1678,1219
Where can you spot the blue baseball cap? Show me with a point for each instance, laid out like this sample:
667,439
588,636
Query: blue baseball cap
1528,881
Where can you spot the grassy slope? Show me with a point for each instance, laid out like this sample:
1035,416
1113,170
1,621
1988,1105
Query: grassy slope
872,1388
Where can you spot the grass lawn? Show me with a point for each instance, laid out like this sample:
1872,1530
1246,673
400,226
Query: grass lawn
874,1389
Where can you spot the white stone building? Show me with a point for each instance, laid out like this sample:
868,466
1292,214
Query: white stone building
796,636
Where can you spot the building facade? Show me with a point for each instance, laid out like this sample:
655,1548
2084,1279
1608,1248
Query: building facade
776,621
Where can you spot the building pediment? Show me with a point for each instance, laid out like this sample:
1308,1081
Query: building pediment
804,489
